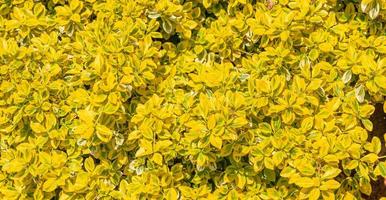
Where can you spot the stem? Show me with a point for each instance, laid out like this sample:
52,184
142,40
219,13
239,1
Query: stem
380,157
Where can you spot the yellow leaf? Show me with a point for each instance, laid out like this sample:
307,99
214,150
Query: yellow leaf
380,81
304,182
307,123
314,194
315,84
103,133
172,194
268,163
85,130
365,187
58,158
50,121
366,110
331,173
50,185
81,181
201,159
284,35
240,181
109,82
146,148
239,122
207,3
89,164
314,54
157,158
110,108
98,63
37,128
287,172
278,158
86,116
211,122
215,141
326,47
330,184
148,75
213,79
384,107
367,124
190,24
370,158
16,165
263,86
45,158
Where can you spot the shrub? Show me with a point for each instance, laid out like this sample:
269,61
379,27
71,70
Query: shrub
201,99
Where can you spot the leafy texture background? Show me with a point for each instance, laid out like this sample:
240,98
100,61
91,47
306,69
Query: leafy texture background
200,99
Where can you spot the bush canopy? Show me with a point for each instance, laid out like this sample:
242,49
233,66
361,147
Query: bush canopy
191,99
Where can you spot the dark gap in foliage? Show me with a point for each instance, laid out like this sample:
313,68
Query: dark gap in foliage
175,161
217,59
175,39
245,159
379,123
194,32
50,6
57,193
379,128
92,17
87,87
212,184
97,161
210,15
352,83
221,166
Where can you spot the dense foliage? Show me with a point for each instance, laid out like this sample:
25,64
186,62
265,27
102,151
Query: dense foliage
200,99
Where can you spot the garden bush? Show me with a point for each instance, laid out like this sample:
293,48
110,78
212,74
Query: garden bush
200,99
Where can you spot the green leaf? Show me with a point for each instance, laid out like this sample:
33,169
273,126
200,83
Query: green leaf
367,124
382,168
